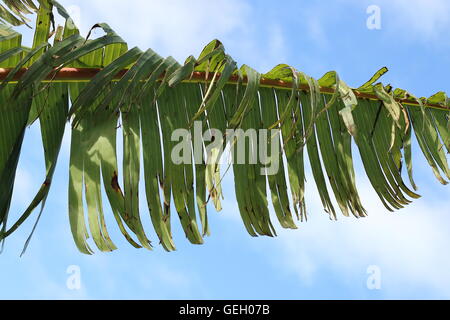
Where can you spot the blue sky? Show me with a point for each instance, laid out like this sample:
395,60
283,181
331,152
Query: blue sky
322,259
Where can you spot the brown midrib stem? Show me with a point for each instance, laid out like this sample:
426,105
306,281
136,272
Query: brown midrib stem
86,74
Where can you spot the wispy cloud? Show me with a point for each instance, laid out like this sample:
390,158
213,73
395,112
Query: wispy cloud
410,247
178,28
181,28
424,20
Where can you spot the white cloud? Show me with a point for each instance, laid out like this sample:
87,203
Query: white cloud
183,28
410,246
173,27
425,18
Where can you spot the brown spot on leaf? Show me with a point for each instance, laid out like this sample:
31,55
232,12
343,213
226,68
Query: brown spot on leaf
115,183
